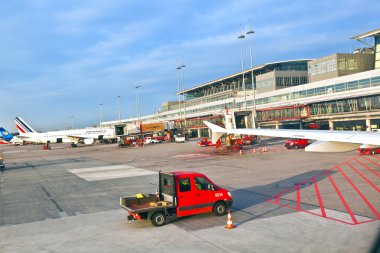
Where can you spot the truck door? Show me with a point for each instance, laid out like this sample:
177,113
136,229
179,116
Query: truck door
187,202
205,194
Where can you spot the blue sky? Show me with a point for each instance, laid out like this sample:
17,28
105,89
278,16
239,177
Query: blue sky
61,58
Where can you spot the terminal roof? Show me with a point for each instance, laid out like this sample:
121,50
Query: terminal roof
375,32
257,68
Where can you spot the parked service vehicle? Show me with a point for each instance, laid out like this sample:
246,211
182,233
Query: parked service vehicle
369,151
179,138
205,143
296,143
148,140
180,194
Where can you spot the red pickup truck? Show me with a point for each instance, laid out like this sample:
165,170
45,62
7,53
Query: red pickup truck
180,194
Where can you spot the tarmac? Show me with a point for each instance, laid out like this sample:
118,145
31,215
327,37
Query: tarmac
67,199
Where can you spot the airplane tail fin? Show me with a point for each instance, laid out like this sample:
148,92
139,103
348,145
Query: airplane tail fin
217,131
22,126
6,135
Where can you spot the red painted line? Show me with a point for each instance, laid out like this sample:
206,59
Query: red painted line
362,176
362,222
370,160
368,168
319,198
360,193
330,218
342,198
305,211
298,197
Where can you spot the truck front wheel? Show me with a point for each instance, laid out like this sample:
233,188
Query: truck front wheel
220,208
158,219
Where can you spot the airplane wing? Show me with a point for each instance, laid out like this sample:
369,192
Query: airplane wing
326,140
81,139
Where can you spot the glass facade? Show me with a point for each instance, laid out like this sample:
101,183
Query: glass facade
279,114
352,125
230,101
377,52
350,105
323,67
341,87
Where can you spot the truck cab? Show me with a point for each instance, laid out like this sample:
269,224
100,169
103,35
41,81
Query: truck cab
180,194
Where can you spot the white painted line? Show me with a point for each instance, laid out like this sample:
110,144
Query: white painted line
110,172
192,156
15,151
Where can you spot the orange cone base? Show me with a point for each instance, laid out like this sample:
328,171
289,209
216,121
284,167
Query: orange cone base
229,226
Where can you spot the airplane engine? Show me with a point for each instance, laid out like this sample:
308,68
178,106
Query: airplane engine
88,141
330,146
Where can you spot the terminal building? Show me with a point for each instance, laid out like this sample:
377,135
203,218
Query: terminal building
339,91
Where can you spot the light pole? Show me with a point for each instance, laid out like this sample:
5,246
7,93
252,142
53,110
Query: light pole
100,113
138,113
117,108
71,121
250,33
241,37
179,95
183,94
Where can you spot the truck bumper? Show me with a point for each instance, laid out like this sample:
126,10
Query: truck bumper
229,203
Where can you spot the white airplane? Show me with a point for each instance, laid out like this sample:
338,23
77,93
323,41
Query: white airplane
74,136
326,140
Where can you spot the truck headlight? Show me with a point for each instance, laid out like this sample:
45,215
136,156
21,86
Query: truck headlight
229,194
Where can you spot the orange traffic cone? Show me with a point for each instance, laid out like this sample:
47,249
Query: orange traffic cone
230,225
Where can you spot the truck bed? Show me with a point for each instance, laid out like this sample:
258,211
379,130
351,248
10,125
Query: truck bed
141,205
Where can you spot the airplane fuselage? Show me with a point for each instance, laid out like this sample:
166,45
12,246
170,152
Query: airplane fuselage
86,136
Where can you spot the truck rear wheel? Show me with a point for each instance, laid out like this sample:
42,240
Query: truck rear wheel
158,219
220,208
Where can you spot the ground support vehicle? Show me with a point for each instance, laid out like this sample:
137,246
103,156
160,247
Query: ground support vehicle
369,151
250,139
180,194
179,138
205,143
125,142
148,140
296,143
